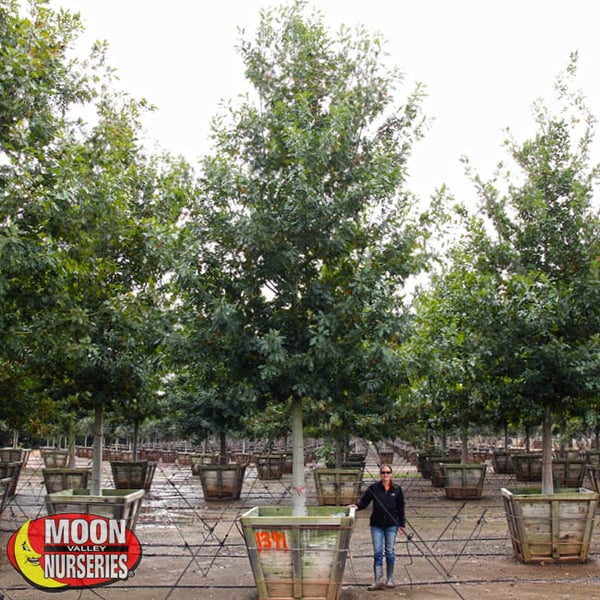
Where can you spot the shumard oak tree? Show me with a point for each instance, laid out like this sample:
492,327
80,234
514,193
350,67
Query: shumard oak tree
303,216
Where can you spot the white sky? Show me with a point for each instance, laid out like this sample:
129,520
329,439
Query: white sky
483,63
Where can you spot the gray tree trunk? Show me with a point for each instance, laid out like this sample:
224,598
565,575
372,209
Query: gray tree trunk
95,484
547,479
298,481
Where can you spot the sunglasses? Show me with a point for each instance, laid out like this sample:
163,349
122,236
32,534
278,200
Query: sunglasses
385,472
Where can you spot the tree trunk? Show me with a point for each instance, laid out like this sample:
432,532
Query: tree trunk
547,480
464,445
506,436
339,447
71,443
298,483
562,448
15,438
223,447
136,435
95,484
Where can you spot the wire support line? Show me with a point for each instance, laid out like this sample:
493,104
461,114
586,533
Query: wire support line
477,528
431,558
454,520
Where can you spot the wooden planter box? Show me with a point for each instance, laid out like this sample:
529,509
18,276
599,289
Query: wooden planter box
11,470
502,463
424,462
133,475
593,472
15,455
528,467
270,466
298,557
5,483
463,481
184,459
288,464
197,460
337,487
550,527
592,457
58,479
241,458
53,457
437,475
150,454
168,456
568,473
222,482
386,457
113,504
355,460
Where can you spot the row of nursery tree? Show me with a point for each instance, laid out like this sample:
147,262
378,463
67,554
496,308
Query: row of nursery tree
264,290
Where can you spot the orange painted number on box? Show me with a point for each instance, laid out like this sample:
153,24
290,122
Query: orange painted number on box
267,540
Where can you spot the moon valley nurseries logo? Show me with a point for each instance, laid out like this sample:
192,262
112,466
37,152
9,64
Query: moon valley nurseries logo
71,550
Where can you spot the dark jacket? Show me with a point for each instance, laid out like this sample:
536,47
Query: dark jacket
388,507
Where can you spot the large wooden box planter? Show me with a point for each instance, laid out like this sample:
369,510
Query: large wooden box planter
15,455
270,466
502,463
133,475
298,557
168,456
355,460
184,459
528,467
53,457
437,475
592,457
11,470
85,452
222,482
593,472
386,457
463,481
550,527
288,464
568,473
241,458
113,504
150,454
4,492
199,459
59,479
424,462
337,487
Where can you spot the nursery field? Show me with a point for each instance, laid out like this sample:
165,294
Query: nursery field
193,549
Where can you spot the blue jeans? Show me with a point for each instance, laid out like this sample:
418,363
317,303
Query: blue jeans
379,535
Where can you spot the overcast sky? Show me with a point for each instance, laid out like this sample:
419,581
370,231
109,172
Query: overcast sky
483,63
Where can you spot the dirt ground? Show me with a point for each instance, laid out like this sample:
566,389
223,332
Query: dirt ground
194,550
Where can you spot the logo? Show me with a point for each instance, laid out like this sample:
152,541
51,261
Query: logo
66,551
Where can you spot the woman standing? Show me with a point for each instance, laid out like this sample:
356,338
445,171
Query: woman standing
387,517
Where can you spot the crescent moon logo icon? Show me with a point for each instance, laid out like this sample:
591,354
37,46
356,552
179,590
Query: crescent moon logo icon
26,559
